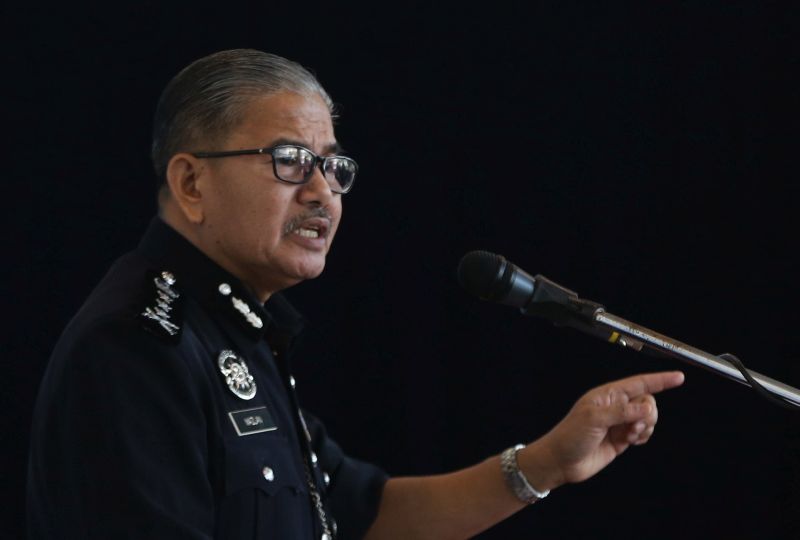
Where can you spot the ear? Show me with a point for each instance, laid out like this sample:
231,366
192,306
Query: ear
184,174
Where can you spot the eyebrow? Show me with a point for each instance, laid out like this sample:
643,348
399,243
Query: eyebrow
333,148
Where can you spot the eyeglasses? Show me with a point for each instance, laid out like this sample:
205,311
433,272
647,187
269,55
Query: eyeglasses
295,165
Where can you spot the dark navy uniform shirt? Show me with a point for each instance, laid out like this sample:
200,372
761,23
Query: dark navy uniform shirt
168,411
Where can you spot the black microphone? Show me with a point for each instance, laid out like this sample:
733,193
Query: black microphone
491,277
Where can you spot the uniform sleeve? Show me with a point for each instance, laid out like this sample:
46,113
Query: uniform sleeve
355,488
119,444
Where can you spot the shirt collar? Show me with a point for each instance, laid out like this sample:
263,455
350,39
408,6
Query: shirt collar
218,290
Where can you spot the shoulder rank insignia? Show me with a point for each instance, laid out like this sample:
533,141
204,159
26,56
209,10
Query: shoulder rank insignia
161,312
236,374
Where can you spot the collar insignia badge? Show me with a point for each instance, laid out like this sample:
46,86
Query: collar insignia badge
241,306
236,374
165,296
245,310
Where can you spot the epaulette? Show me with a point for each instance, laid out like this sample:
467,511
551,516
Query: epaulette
163,315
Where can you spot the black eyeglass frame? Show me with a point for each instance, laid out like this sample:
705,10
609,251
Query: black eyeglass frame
319,161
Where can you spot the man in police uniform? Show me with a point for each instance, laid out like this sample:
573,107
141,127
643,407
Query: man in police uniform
168,408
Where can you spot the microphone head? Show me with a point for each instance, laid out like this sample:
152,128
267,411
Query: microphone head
482,273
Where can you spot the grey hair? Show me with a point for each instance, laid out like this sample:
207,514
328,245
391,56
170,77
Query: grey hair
206,100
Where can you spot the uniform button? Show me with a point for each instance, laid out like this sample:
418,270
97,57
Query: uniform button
224,289
292,381
327,478
313,458
269,474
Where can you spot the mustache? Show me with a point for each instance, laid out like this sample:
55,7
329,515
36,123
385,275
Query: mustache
294,223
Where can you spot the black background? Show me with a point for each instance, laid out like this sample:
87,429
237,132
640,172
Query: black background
643,154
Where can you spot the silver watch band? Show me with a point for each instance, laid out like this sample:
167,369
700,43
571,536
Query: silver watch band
516,480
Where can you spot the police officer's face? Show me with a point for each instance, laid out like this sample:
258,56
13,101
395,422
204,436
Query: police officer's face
269,233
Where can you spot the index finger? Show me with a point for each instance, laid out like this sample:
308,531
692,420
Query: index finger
648,383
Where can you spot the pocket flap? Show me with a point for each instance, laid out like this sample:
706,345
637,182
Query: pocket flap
266,464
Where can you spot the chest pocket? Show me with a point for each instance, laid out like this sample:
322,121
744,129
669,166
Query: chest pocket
265,495
262,463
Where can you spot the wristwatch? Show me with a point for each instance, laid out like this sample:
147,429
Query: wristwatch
516,480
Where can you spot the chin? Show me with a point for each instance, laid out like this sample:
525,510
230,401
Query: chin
313,273
309,271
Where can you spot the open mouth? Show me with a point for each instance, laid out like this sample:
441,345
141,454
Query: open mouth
312,228
308,233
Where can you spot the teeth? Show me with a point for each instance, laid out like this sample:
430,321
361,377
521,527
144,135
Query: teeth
308,233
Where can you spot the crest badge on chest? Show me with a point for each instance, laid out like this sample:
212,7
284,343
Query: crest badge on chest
236,374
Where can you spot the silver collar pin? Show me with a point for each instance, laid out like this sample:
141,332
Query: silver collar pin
242,307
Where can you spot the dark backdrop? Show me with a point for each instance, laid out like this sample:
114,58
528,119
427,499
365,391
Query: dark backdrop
640,153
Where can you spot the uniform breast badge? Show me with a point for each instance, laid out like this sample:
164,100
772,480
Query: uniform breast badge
236,374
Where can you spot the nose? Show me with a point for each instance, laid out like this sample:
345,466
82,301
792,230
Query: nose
316,190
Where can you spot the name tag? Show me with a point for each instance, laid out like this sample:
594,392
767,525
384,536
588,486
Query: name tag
250,421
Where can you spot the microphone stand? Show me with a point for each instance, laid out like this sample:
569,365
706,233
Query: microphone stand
638,336
565,308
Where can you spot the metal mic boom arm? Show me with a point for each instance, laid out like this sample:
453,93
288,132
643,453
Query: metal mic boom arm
563,306
676,349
